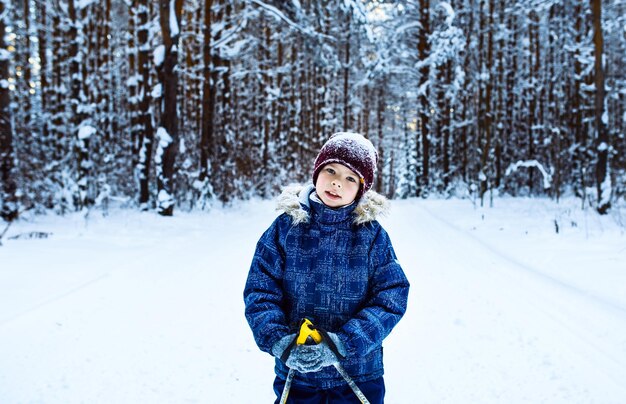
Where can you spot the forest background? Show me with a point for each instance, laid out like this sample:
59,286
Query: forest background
161,103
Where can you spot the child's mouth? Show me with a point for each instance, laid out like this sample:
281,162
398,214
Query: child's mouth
332,196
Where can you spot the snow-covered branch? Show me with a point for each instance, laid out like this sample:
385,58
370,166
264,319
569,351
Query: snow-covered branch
281,16
547,177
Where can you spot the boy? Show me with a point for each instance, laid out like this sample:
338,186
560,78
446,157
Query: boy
326,258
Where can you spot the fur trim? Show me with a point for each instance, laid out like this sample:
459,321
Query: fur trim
371,205
289,202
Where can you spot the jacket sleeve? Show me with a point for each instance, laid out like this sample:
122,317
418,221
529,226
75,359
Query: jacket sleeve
263,293
386,303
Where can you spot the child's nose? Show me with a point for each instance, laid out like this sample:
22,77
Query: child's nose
336,184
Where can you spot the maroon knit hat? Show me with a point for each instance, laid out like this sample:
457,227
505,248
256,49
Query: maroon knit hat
352,150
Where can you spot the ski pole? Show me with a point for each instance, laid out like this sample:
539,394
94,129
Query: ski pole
285,394
351,383
309,335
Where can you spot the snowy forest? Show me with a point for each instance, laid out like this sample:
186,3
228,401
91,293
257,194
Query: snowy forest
158,104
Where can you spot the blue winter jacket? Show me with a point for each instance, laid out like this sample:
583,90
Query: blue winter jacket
336,267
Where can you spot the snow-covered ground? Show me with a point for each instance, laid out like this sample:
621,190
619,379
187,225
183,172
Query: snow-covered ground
137,308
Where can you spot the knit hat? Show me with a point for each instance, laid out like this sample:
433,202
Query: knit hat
352,150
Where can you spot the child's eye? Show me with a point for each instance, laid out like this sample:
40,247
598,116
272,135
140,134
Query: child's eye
351,179
330,171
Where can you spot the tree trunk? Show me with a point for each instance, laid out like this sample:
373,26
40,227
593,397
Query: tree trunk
133,83
145,135
168,131
380,120
603,178
346,76
58,122
533,33
279,111
104,63
554,100
465,103
423,50
44,93
446,122
208,96
25,101
364,127
509,138
485,118
42,41
577,107
266,106
82,138
500,124
8,199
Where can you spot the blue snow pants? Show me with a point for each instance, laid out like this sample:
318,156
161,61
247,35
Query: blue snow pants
374,390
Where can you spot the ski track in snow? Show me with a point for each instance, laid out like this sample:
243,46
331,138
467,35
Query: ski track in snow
564,315
136,308
549,304
52,299
607,303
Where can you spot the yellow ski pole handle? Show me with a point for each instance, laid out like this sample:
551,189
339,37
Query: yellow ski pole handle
308,335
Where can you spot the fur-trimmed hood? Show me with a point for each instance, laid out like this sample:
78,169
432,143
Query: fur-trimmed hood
295,198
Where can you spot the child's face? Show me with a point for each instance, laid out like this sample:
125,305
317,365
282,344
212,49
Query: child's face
337,185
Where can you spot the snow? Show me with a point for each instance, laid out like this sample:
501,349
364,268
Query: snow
165,199
5,54
133,80
159,55
174,30
157,91
138,308
345,140
606,189
164,138
233,50
85,132
278,15
408,26
547,177
84,3
450,14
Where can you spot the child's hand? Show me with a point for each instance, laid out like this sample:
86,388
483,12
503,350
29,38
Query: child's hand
306,358
313,358
279,347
